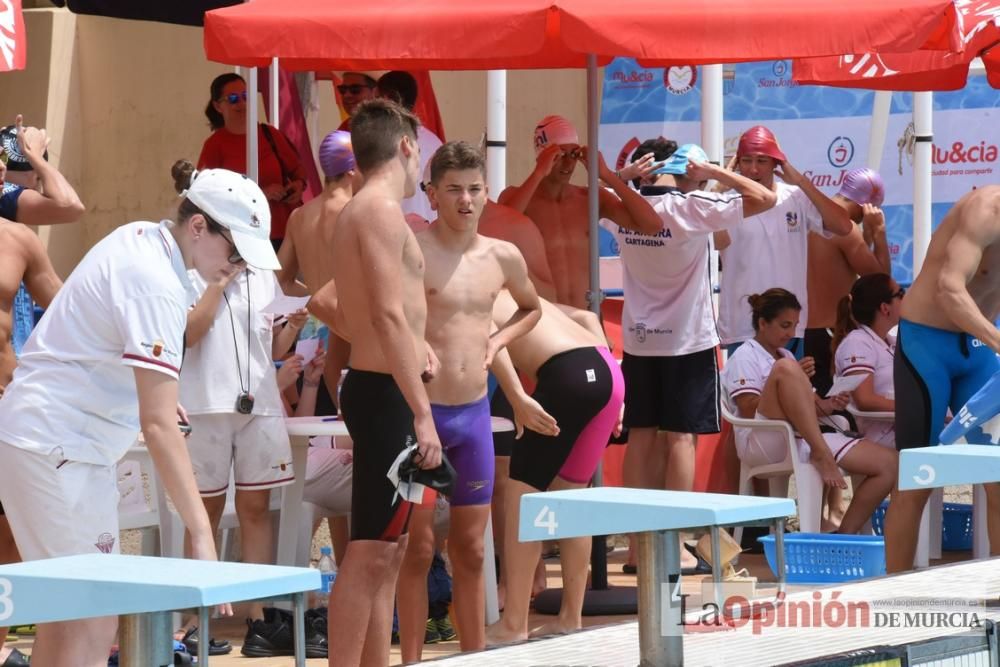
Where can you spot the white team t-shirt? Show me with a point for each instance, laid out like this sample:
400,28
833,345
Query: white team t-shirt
428,142
123,307
770,249
746,372
210,379
668,307
864,351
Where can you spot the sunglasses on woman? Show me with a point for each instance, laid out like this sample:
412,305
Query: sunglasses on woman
899,294
353,88
233,98
235,257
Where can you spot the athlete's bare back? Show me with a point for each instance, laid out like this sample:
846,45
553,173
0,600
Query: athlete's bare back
22,257
555,333
964,255
507,224
310,239
371,229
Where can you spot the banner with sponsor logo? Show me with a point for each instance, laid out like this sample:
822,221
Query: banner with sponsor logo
824,131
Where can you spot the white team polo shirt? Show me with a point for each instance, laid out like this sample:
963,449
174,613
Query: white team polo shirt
123,307
668,307
746,372
863,350
210,382
770,249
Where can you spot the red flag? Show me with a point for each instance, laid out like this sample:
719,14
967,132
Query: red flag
293,125
13,41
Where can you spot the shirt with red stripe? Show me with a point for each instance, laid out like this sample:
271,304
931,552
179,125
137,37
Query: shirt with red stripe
123,307
746,372
864,351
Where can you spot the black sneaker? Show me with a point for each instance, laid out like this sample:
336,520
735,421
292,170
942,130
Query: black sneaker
214,647
316,641
270,637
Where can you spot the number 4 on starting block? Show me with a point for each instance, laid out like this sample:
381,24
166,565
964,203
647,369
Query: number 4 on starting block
546,519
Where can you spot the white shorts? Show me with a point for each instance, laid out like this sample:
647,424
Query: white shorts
764,447
329,479
57,507
255,448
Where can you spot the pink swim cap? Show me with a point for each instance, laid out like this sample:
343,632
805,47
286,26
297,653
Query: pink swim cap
759,140
863,186
336,157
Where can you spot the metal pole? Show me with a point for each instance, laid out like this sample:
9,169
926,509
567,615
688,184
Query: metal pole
496,131
252,116
145,640
661,637
879,128
712,138
299,621
923,114
594,295
204,635
274,97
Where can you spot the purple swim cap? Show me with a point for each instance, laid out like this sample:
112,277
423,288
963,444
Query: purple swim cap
863,186
336,157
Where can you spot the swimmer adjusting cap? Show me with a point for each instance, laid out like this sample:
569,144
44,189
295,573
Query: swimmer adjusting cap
336,157
677,163
759,140
863,186
554,130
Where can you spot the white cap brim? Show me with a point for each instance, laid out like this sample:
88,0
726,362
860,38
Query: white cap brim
257,252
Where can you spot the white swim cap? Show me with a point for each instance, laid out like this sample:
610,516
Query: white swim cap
554,130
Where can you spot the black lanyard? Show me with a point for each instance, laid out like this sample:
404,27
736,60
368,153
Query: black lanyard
244,402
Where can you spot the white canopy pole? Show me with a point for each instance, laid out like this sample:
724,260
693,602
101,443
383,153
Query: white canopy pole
594,295
712,135
496,131
252,117
273,97
879,127
923,114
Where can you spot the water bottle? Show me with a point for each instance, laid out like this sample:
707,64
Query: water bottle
327,569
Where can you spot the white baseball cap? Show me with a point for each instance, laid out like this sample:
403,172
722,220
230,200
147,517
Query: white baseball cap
238,204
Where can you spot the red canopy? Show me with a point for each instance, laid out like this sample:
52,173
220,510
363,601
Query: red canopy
526,34
13,42
977,30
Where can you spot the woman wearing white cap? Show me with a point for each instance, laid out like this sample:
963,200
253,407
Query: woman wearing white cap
103,363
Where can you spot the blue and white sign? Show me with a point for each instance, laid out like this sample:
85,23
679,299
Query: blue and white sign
824,131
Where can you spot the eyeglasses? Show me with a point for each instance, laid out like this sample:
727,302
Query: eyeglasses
235,257
899,293
233,98
353,88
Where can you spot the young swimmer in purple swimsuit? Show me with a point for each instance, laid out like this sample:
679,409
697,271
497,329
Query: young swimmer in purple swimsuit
581,386
464,273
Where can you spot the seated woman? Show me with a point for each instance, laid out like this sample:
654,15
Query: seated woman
766,382
862,346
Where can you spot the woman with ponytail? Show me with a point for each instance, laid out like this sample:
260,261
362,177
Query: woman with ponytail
862,345
765,381
279,169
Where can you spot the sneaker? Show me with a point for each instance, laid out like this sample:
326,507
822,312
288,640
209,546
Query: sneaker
445,629
215,647
15,659
316,641
269,637
431,635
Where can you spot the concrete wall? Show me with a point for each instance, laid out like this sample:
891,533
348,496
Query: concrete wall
123,100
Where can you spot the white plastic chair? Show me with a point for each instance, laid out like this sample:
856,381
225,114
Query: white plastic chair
808,482
135,510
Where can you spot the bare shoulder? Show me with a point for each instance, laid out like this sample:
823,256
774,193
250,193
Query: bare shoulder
978,212
502,250
20,235
379,213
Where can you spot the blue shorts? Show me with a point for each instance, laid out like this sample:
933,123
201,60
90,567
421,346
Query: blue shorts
466,434
934,370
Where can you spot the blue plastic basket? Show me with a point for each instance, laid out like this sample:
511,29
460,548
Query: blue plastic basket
956,525
818,558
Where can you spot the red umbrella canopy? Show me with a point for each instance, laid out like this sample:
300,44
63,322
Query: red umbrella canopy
977,30
525,34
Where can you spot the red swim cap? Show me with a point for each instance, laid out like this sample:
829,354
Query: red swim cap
759,140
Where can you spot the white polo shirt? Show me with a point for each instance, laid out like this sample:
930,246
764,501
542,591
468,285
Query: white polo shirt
864,351
210,381
770,249
123,307
746,372
419,203
666,279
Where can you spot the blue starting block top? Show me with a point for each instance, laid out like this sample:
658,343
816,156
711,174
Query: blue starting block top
948,465
609,510
88,585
